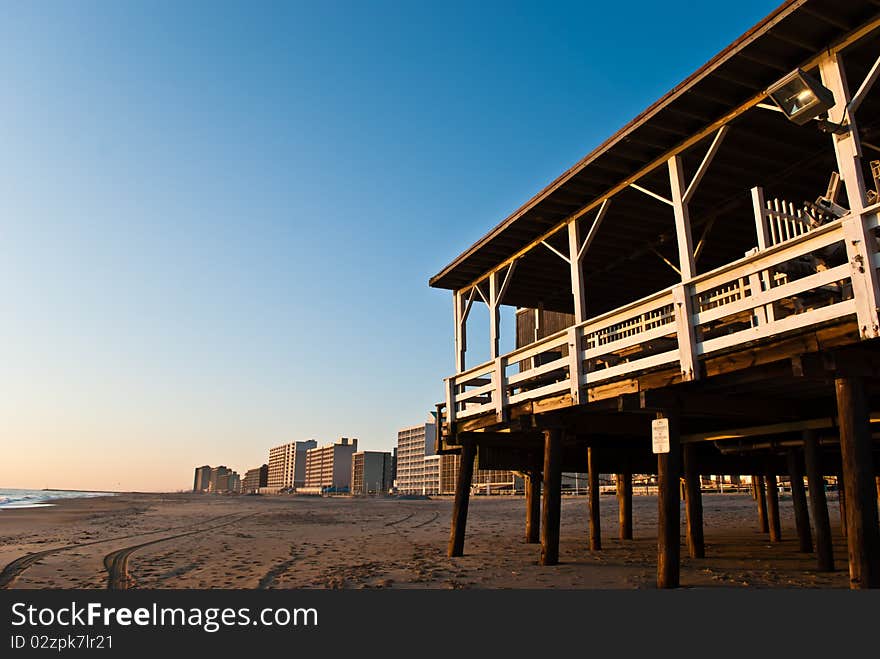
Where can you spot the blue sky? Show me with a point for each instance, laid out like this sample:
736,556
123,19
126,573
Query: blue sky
217,220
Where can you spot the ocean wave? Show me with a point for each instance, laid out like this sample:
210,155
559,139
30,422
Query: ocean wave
41,498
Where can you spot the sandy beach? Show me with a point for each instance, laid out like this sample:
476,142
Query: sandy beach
199,541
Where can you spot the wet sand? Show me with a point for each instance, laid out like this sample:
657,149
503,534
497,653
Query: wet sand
202,541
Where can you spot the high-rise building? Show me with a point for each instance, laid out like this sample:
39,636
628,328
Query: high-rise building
254,479
370,473
287,465
328,468
413,444
202,478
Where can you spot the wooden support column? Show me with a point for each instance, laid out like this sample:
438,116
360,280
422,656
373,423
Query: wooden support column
595,526
577,279
533,506
775,527
762,504
841,502
551,497
624,505
818,503
462,498
859,240
669,515
693,503
494,315
862,532
799,501
682,219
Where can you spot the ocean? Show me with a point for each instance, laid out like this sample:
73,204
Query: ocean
40,498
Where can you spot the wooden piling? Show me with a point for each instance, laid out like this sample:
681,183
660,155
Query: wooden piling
862,532
693,503
668,513
761,498
462,498
533,507
841,502
595,525
551,497
799,501
624,505
775,527
818,503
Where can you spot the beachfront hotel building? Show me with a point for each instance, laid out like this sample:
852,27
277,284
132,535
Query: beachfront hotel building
202,478
287,465
254,479
328,468
224,480
370,473
414,443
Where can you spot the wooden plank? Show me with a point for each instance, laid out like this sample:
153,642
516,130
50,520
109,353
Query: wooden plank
643,363
549,367
546,390
612,390
788,324
818,503
796,287
820,237
863,534
552,497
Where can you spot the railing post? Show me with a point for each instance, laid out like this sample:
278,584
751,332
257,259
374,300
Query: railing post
574,362
450,402
684,327
760,221
499,392
864,275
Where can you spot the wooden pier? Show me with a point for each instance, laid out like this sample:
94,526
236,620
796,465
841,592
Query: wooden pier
714,264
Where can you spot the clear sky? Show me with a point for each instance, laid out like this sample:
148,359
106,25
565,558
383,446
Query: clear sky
217,220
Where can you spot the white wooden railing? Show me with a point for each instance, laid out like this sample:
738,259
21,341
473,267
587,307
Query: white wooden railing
803,279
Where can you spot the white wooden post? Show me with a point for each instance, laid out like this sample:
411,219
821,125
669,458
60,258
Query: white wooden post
499,379
574,362
450,401
577,280
760,223
758,281
682,219
494,315
460,331
681,294
684,329
859,240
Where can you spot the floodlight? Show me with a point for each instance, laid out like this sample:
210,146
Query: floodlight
801,97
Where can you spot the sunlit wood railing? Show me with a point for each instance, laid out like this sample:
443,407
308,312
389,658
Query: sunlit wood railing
804,279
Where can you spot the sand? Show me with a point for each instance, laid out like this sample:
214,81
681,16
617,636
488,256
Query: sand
203,541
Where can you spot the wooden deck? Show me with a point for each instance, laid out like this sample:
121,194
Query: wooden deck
800,285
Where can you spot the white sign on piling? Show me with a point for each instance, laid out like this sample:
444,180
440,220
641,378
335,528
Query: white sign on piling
660,435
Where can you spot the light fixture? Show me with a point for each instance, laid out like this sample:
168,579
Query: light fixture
802,98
